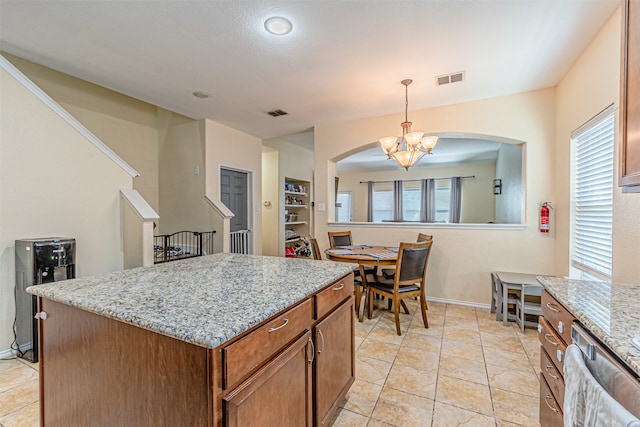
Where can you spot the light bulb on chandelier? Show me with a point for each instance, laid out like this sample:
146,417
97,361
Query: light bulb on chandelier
411,146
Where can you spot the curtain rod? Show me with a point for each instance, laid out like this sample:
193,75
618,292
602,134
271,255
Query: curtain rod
415,180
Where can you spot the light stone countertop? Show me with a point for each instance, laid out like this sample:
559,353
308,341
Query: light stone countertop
609,310
205,300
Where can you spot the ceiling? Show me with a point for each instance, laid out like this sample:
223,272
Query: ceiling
451,149
343,60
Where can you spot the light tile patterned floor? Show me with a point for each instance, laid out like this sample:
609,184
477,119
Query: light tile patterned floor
465,370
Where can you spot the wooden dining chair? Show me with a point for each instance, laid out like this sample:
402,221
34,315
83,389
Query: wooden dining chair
343,238
388,273
315,250
409,281
340,238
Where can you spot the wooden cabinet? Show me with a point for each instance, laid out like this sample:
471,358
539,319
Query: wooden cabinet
292,369
279,394
629,167
297,216
287,378
555,334
245,355
333,339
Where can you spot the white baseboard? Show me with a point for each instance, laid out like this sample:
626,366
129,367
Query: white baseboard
8,354
465,303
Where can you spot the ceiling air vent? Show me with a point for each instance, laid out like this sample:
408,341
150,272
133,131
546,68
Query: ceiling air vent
277,113
449,78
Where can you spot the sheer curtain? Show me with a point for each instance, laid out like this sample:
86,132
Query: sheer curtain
370,201
455,199
397,200
428,200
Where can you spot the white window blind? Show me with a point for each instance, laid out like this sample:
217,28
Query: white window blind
592,223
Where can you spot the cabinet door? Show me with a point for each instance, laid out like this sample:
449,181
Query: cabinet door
279,394
335,361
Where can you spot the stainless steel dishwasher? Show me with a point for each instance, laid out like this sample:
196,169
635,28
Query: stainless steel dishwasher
618,380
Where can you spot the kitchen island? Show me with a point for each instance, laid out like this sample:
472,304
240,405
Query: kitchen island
223,339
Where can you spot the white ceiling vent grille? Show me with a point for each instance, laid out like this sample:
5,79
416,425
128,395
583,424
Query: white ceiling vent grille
449,78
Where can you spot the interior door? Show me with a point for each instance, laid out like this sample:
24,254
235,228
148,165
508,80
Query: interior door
234,193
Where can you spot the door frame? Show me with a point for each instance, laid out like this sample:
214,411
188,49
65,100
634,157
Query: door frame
250,194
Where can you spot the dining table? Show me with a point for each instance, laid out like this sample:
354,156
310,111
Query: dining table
364,256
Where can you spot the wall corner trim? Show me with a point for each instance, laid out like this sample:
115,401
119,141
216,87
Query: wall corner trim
139,205
220,207
64,114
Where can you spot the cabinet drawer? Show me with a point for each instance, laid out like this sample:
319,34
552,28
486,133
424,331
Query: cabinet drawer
332,296
554,378
550,411
245,355
552,344
558,316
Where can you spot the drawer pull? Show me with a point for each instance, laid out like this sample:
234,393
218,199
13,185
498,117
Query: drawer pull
546,400
322,338
279,327
551,372
553,307
337,288
546,337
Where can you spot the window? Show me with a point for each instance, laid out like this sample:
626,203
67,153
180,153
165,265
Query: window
382,202
343,207
443,196
592,197
411,197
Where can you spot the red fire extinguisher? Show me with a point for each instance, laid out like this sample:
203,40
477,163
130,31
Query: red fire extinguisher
544,217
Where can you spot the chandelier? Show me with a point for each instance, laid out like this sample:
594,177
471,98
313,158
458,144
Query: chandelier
411,146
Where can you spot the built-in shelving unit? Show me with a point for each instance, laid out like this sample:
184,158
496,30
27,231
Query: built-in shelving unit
296,213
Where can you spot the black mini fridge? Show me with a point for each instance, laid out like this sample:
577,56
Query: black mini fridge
38,261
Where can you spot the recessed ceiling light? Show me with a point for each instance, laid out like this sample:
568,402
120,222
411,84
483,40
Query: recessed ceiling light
278,25
200,94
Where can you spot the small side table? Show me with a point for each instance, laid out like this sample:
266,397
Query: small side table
514,281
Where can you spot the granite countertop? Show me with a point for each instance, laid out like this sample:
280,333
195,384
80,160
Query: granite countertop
609,310
205,300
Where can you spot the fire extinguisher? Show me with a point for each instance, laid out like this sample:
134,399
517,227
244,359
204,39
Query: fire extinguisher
544,217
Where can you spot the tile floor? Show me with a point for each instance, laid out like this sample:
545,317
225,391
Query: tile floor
465,370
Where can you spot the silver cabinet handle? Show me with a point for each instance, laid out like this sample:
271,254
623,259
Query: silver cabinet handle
546,400
41,315
313,351
553,307
546,337
279,327
551,372
339,287
322,338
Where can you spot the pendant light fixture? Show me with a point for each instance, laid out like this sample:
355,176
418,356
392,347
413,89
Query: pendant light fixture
411,146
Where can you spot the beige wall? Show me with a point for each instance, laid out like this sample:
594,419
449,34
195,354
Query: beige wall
181,175
462,259
124,124
478,201
227,147
293,162
597,69
53,183
270,194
